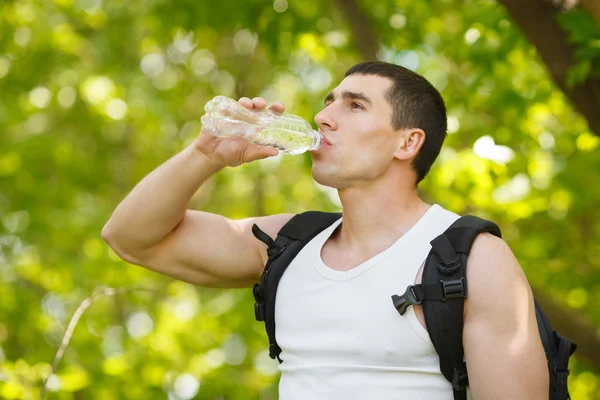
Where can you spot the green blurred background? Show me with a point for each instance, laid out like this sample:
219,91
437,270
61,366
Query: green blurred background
94,94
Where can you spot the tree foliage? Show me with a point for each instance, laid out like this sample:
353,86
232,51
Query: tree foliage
94,95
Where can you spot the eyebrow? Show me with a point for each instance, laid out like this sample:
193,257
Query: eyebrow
346,94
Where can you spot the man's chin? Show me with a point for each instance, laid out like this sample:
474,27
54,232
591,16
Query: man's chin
325,179
319,178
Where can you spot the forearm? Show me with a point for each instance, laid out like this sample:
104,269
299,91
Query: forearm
158,202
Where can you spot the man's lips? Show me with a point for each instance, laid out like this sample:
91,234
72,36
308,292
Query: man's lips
325,138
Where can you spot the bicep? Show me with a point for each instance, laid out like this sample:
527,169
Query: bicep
503,350
211,250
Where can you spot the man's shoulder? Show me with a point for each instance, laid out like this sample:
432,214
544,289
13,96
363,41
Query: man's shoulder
492,269
490,255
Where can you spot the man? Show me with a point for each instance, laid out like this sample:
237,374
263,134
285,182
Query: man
340,334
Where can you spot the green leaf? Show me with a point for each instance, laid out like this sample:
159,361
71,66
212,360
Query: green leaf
579,73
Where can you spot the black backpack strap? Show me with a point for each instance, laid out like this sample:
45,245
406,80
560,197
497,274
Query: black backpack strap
447,263
561,366
443,291
294,235
558,350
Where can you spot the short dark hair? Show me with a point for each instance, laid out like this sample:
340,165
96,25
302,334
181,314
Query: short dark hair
415,104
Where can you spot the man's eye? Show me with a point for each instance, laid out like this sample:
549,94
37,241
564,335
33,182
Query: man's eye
356,105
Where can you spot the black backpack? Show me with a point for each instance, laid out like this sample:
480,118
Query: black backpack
441,293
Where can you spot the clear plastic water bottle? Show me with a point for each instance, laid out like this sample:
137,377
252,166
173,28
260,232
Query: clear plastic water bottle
288,133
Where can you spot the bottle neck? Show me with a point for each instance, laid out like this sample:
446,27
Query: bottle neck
317,140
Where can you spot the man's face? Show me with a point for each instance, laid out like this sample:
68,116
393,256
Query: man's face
357,122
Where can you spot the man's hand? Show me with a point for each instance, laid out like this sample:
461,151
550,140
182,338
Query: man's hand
234,151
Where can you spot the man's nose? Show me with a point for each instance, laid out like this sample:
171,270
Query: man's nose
324,120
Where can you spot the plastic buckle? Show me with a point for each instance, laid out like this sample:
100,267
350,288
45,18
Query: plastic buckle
402,302
454,289
460,379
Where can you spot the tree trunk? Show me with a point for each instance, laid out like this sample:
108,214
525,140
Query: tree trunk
593,7
363,33
537,21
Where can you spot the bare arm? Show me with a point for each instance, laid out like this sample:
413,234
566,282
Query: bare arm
210,250
158,202
503,350
152,226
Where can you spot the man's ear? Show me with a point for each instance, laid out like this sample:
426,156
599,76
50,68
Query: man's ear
411,141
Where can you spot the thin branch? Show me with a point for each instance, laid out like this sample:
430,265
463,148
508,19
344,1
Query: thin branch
97,294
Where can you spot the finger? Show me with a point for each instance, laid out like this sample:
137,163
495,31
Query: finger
259,102
246,102
260,152
277,107
271,151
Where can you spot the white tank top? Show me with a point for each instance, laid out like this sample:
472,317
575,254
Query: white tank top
340,335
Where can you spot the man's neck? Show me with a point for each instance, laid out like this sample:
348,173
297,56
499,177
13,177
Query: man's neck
377,216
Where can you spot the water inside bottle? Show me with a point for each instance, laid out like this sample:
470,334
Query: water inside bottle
287,141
